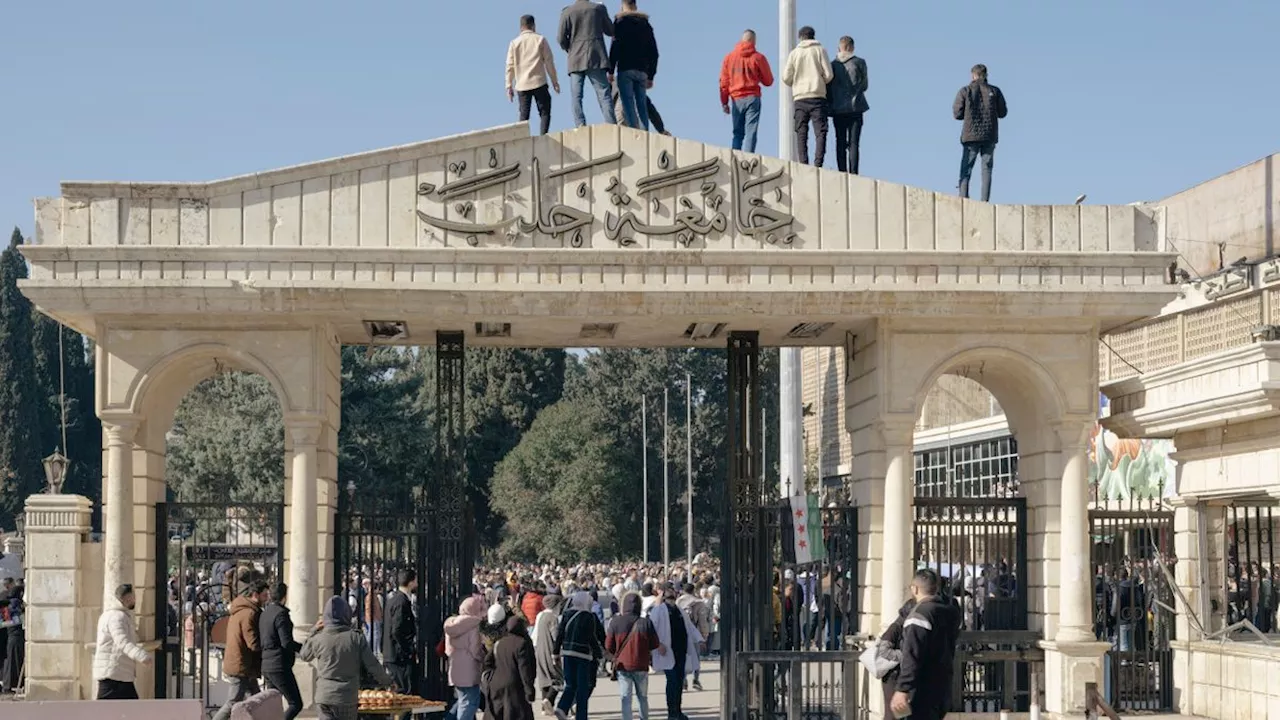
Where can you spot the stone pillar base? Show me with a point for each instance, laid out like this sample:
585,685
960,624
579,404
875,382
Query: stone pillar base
306,677
1068,667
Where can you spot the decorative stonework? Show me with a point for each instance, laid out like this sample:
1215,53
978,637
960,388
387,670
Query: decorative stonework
58,513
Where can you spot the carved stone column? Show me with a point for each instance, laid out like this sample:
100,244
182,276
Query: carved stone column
898,526
304,575
117,516
1075,583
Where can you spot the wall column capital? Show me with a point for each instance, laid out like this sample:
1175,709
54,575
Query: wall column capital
896,431
120,429
304,429
1074,432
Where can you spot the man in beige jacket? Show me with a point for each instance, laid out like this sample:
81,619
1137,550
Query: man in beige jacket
807,73
530,65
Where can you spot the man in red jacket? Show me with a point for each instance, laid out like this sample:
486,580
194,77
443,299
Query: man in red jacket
743,72
631,640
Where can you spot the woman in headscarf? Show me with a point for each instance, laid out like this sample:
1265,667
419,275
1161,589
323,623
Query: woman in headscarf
339,653
550,679
889,648
512,674
465,650
580,643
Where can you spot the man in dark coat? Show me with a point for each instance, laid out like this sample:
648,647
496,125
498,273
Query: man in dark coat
511,672
981,106
848,97
929,637
279,649
583,27
633,61
400,632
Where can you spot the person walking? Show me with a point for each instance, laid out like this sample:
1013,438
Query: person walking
807,73
279,649
580,643
889,652
848,92
530,66
981,106
583,27
512,674
633,61
16,649
341,657
699,614
465,651
400,632
116,657
742,73
546,627
242,658
681,640
929,634
631,640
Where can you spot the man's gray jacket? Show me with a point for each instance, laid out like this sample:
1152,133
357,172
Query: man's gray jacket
583,26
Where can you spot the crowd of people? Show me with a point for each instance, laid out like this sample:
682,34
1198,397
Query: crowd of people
13,637
826,91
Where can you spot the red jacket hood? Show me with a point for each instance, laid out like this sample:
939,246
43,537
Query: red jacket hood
745,49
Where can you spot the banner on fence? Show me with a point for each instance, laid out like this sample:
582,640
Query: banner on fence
806,523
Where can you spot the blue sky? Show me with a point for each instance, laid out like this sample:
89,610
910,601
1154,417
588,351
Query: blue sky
1122,99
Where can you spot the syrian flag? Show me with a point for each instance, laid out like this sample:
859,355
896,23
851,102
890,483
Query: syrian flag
806,523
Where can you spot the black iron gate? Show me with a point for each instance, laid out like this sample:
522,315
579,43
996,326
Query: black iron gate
978,546
206,555
1133,606
783,623
376,538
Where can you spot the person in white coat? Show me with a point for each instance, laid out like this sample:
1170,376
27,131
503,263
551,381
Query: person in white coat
116,656
680,638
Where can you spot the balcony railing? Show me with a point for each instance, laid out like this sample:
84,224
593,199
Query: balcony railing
1149,345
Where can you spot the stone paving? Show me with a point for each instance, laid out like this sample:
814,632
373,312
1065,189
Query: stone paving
704,705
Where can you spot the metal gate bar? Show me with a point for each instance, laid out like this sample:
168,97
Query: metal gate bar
746,609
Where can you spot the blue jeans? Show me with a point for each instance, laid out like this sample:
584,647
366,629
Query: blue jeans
636,683
971,153
578,677
746,122
635,104
468,703
600,79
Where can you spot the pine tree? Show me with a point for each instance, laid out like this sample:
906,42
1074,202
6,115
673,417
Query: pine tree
20,470
72,377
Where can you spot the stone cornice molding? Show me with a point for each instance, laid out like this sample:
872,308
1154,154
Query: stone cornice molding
1216,362
58,514
1166,422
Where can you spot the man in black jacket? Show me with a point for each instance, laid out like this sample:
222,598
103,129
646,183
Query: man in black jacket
633,60
400,633
981,106
929,637
275,631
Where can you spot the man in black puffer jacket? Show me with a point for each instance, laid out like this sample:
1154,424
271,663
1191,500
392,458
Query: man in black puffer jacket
929,637
275,628
980,106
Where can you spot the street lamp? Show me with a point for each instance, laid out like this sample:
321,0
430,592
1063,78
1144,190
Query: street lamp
55,472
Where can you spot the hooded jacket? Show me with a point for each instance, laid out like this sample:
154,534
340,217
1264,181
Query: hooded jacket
340,654
531,605
117,652
848,88
634,47
580,635
243,655
462,643
631,638
808,71
742,73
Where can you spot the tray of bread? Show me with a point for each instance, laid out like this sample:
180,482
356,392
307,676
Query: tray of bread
387,701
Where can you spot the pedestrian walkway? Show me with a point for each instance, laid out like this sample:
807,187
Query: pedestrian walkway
704,705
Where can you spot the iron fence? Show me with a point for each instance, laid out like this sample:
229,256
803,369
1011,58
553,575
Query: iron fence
789,685
996,670
1252,567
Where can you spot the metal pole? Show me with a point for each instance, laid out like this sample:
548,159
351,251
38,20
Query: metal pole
644,453
791,447
688,449
666,485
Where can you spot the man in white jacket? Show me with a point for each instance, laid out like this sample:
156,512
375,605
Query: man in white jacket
118,652
807,73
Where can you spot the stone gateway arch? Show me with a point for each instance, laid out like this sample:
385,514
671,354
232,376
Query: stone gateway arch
595,237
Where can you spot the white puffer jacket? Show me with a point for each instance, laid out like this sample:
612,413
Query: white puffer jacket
118,649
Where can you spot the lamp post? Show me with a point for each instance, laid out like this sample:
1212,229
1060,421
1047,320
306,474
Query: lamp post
791,444
55,472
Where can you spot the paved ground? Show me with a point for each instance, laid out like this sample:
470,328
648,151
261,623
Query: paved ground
705,705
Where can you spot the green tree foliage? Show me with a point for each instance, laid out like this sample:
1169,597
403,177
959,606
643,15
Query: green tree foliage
563,489
75,374
20,405
383,446
227,442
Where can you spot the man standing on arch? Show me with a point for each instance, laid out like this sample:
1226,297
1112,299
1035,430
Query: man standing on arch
583,26
742,73
980,106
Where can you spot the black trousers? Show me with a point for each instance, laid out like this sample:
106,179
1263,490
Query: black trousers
542,96
811,110
287,685
848,138
116,690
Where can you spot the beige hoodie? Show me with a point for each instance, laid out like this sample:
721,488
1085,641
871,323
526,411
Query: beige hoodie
808,71
530,64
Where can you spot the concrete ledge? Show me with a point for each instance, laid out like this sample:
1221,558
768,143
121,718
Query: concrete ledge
105,710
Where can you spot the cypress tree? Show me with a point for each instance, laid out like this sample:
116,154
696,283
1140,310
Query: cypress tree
21,473
75,373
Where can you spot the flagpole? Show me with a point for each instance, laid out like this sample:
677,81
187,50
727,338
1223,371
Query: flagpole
666,485
688,448
644,454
